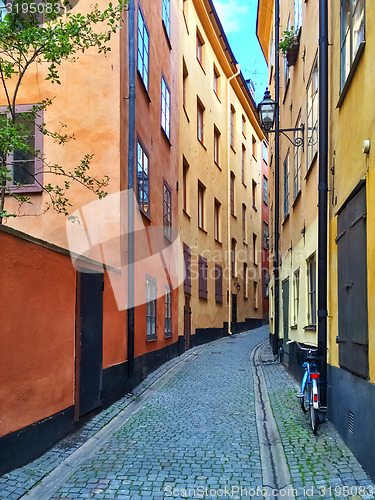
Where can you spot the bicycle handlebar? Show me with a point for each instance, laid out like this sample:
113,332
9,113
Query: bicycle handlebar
302,348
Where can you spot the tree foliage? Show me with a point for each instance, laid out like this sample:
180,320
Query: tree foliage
46,32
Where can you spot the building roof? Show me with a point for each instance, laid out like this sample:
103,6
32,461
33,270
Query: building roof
264,24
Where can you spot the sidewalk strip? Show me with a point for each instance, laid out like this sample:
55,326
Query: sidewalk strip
275,469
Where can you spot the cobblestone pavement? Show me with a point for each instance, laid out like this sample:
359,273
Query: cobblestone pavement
199,431
320,466
16,483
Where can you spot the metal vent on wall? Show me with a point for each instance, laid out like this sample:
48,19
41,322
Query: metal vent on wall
351,422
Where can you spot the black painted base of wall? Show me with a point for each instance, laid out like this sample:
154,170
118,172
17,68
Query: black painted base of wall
348,393
19,447
248,324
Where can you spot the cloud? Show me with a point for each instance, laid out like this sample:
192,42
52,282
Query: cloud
231,14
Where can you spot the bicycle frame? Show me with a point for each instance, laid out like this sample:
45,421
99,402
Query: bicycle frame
311,376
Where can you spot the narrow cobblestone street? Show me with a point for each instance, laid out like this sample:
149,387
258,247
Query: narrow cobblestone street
199,431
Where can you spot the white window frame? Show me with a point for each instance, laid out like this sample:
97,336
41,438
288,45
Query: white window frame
165,107
143,51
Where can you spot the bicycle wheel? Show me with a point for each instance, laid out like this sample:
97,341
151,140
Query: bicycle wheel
305,400
313,413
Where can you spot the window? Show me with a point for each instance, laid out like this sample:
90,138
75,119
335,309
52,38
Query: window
26,167
216,146
255,256
243,159
233,257
165,107
296,296
200,112
265,152
312,115
297,14
3,12
202,271
217,206
216,81
201,190
185,75
244,238
143,48
143,185
150,308
271,228
200,43
297,165
168,312
185,170
244,278
286,67
232,177
254,145
265,190
244,126
352,35
311,284
266,277
265,236
255,294
286,185
166,16
232,113
167,210
187,263
254,189
218,284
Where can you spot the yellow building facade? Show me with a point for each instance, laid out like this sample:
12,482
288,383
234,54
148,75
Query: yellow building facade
298,173
220,189
351,248
351,322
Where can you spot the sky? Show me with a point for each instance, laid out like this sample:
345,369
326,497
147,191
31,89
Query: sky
238,18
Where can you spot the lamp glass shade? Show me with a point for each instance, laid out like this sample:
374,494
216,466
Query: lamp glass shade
267,111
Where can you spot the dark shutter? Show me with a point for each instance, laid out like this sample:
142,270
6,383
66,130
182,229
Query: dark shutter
202,272
187,262
352,286
218,283
205,272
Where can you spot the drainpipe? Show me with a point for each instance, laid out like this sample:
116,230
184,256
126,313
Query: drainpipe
131,159
323,198
275,343
229,212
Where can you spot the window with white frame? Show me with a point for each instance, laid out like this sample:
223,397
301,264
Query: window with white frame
265,152
296,296
265,190
286,185
167,210
150,308
352,35
143,185
286,67
297,157
312,115
297,14
143,48
166,16
168,312
311,288
165,107
266,235
25,164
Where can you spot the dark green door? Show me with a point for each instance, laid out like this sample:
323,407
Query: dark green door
286,312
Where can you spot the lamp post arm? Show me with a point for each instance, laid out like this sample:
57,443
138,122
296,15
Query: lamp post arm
298,141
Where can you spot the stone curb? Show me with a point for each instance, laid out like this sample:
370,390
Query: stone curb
275,469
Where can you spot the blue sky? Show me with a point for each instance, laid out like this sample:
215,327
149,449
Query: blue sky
238,18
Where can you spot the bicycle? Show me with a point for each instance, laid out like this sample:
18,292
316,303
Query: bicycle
309,393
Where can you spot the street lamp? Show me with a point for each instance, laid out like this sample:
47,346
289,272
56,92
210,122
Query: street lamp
267,112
